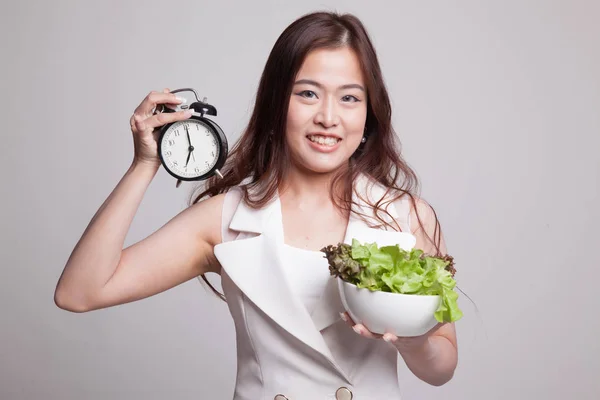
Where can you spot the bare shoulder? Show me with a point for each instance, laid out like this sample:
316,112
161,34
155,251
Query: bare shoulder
183,248
424,210
206,217
425,225
411,206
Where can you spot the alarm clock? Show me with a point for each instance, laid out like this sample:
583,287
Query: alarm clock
193,149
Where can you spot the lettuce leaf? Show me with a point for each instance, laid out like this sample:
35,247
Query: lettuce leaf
392,269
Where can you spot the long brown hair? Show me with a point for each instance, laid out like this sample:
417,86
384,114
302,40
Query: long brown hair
259,157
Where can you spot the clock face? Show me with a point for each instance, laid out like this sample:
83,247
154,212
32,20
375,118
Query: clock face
189,148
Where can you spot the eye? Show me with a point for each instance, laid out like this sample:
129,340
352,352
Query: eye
350,98
309,94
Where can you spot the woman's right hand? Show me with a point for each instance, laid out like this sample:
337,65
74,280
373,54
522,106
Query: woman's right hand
144,124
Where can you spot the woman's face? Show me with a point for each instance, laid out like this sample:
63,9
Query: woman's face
327,111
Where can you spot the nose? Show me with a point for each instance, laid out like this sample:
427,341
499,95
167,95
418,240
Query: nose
328,115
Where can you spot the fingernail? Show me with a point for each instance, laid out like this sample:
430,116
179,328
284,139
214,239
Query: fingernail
356,329
387,338
343,316
181,99
188,113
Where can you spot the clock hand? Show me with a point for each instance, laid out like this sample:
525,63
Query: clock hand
191,148
188,135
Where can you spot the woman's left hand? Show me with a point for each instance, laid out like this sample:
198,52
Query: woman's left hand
403,344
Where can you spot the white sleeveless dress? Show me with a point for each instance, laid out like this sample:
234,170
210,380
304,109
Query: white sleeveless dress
291,341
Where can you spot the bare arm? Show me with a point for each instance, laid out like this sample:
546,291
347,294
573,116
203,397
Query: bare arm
435,360
432,357
99,273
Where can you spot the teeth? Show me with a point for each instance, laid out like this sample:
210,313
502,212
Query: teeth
327,141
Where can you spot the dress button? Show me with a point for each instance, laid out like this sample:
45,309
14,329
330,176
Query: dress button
280,397
343,393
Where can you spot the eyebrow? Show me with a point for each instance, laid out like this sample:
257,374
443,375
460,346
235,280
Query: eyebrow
317,84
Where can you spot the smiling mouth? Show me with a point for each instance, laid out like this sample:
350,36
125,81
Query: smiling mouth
324,140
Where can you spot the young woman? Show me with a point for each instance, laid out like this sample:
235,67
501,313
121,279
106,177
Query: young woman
318,164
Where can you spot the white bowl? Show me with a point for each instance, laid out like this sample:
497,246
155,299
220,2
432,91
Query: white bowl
403,315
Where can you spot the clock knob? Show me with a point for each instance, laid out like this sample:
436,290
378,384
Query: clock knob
204,108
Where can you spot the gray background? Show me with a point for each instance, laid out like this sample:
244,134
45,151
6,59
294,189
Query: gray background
497,105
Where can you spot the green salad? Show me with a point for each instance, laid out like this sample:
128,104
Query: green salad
392,269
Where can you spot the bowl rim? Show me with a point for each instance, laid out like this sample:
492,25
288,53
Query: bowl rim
386,293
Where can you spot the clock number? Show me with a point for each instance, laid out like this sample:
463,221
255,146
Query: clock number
171,142
168,153
197,169
175,163
212,153
176,133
